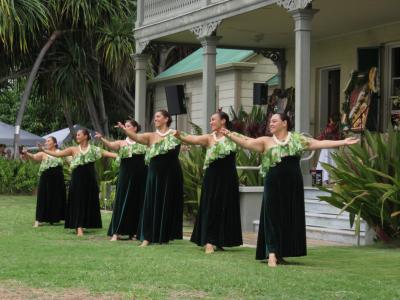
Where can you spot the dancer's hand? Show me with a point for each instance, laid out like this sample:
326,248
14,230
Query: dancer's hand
351,141
40,146
177,134
120,125
98,135
24,153
225,131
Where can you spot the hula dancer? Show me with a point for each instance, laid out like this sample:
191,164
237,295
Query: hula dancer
51,194
162,214
131,184
282,230
218,220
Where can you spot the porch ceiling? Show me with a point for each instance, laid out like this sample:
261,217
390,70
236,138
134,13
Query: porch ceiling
272,26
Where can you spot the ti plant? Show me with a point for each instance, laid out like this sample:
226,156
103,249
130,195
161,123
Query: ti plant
367,183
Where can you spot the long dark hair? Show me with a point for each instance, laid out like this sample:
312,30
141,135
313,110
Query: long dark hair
134,124
54,141
285,117
224,116
166,115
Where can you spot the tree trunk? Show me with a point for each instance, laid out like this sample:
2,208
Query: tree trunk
102,107
129,96
128,105
68,118
94,118
28,89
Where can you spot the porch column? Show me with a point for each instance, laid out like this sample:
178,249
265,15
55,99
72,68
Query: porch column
140,88
209,44
302,28
302,23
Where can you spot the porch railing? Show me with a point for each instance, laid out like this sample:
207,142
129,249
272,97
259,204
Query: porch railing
150,11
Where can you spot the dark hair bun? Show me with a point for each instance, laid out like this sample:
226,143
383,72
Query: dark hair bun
166,114
285,117
134,124
224,116
86,132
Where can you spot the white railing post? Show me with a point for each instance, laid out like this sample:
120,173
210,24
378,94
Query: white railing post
158,10
139,13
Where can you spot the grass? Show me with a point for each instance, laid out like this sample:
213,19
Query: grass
52,259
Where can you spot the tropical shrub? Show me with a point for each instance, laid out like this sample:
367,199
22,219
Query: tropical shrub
107,171
253,124
367,183
192,160
18,177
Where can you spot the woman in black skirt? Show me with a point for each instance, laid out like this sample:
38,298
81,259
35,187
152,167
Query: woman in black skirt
131,184
83,206
162,214
218,220
282,231
51,194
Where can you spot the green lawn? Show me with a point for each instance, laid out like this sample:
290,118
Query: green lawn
50,259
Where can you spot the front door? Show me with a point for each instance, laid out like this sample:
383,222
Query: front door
329,102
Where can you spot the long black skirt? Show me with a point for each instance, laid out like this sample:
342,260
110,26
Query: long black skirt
162,214
51,196
218,220
129,196
83,206
282,227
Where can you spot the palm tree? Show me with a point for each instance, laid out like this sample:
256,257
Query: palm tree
99,35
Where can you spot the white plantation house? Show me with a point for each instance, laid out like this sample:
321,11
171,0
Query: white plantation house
312,45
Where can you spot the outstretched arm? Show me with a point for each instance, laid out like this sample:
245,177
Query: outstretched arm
111,145
257,145
109,154
325,144
37,157
66,152
141,138
202,140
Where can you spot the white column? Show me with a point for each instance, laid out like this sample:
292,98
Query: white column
139,13
302,28
140,88
209,44
302,23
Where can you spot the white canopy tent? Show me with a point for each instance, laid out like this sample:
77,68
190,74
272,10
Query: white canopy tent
64,135
26,138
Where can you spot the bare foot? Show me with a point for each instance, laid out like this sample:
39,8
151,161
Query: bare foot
79,231
272,260
144,243
36,224
114,238
209,249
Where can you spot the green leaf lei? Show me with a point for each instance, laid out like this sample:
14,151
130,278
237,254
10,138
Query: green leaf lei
220,149
168,143
296,146
50,162
93,154
130,150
